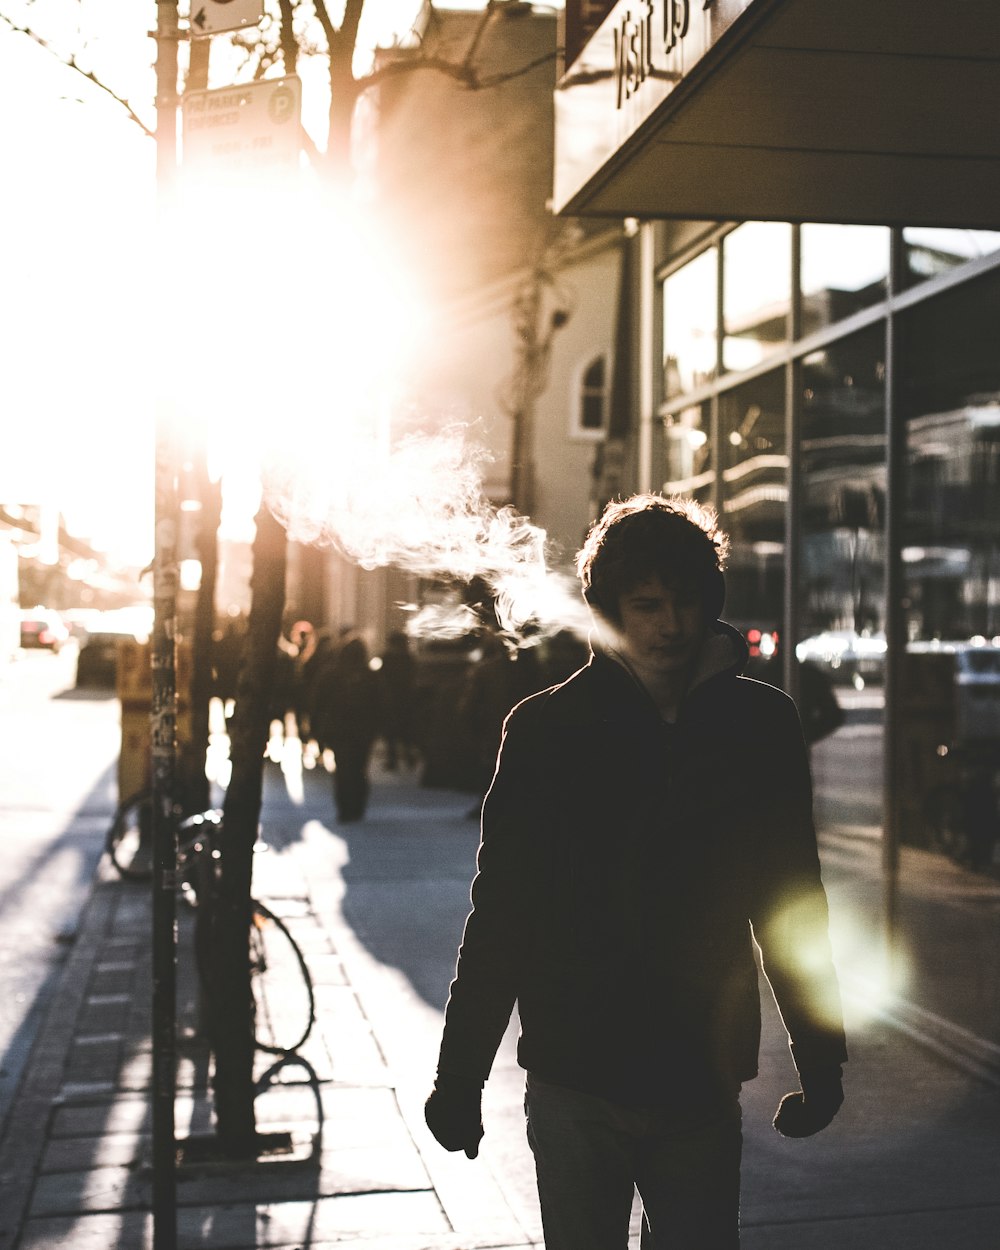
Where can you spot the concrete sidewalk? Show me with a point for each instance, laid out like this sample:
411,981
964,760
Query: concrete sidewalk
912,1161
75,1159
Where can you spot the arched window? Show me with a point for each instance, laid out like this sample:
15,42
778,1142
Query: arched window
592,399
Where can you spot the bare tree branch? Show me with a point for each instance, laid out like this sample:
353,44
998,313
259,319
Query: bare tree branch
286,37
352,20
323,17
460,70
70,63
494,80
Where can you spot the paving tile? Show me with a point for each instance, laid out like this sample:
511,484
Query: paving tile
75,1154
93,1059
132,1230
326,968
348,1033
249,1229
96,1189
111,978
122,1114
105,1017
270,1225
85,1091
337,1172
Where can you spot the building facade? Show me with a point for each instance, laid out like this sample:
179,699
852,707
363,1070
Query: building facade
816,287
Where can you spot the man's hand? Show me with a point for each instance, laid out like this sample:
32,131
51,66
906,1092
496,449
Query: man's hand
454,1113
813,1107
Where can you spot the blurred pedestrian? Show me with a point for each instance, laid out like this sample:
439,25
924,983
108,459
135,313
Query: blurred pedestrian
303,639
399,691
495,682
228,646
650,818
347,707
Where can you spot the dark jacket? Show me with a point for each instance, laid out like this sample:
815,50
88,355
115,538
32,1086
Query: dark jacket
625,868
346,702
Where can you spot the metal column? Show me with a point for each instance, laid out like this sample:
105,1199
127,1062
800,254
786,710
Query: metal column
164,701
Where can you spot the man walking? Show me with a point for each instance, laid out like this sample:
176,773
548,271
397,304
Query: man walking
649,820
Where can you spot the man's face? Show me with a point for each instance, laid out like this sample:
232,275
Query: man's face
662,626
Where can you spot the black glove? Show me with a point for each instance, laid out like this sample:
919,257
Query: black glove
813,1107
454,1113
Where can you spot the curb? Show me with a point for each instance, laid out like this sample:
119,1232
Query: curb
27,1123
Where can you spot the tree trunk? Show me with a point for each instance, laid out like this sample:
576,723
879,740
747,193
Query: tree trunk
232,1006
196,788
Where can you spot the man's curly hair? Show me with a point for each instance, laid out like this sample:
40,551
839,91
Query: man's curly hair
675,538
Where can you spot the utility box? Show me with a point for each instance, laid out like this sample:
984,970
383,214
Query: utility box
135,693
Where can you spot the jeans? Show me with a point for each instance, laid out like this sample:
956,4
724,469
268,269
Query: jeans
591,1154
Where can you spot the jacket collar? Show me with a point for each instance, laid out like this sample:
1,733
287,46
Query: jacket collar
724,653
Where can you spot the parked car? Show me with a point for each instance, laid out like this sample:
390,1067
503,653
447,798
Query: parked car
40,628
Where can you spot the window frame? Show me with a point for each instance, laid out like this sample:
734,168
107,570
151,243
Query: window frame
581,392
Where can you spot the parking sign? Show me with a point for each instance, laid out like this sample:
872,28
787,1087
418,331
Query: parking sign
245,129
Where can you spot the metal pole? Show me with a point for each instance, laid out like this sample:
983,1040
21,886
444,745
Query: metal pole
793,507
647,296
164,700
895,624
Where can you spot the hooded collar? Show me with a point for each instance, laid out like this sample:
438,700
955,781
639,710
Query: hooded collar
724,651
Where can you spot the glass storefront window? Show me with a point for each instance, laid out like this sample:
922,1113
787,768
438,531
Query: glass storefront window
754,494
843,493
690,464
844,269
842,562
930,251
756,269
951,399
948,711
690,325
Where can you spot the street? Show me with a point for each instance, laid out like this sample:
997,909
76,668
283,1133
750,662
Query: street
391,893
57,781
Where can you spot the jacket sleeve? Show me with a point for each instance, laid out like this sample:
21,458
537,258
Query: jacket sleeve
498,931
791,916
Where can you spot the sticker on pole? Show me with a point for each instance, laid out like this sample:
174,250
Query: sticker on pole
242,131
212,17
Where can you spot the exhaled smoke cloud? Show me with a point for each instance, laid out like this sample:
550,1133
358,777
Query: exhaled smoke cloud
418,505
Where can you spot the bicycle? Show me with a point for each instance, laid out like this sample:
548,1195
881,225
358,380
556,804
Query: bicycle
279,973
284,1003
128,843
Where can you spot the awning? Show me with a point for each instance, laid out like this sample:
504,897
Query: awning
793,110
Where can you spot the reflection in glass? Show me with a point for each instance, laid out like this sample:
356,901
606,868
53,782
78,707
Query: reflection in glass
757,267
688,450
951,395
755,490
843,270
842,559
930,251
948,724
843,498
690,331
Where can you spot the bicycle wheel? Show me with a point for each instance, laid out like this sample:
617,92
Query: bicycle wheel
284,1004
129,840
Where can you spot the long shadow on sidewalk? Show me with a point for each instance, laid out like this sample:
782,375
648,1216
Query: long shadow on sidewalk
409,865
